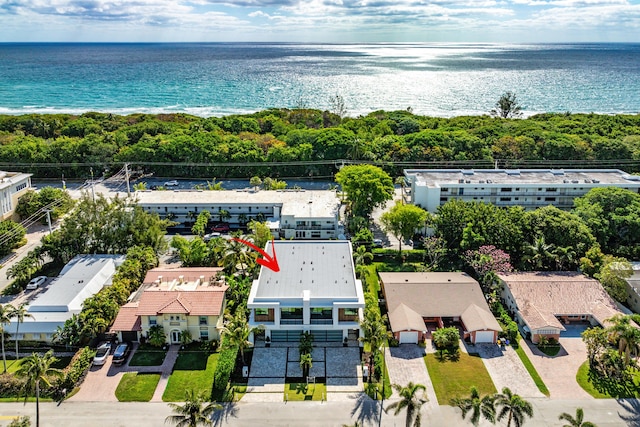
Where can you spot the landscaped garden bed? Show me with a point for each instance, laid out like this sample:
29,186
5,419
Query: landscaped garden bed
303,391
194,370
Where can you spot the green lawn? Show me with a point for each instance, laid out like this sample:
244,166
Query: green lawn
454,378
530,368
605,388
14,365
137,387
302,391
147,355
193,370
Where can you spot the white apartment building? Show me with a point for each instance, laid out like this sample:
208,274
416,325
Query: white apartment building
12,186
530,188
315,291
299,214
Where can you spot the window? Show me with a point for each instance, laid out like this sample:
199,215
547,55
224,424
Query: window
443,200
505,199
316,234
204,320
261,311
351,311
460,191
444,189
547,331
153,320
505,189
551,189
549,199
204,335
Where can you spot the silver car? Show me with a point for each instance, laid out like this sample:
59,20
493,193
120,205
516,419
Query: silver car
101,354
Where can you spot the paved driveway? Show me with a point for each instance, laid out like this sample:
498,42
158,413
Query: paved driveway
559,372
506,370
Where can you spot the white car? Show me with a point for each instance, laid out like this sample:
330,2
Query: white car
377,243
172,183
101,354
36,282
210,236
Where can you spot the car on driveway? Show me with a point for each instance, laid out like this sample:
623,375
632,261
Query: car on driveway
221,228
36,282
377,243
101,354
210,236
172,183
121,353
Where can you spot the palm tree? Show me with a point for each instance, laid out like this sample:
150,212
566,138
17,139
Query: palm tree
538,253
375,334
19,313
195,411
237,254
306,363
513,407
477,406
577,421
37,368
237,331
409,400
402,182
627,336
5,319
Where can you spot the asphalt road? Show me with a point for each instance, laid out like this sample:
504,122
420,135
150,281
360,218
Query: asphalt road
602,412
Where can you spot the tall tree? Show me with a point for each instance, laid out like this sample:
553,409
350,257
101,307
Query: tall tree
410,401
403,221
366,187
36,369
626,335
236,329
5,319
613,275
577,421
200,226
196,411
11,234
477,406
20,313
507,106
512,406
375,334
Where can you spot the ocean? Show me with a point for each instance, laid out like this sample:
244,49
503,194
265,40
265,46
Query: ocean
215,79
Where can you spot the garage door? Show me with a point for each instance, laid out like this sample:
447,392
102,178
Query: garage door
484,336
408,338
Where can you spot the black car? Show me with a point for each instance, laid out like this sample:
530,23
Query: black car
122,353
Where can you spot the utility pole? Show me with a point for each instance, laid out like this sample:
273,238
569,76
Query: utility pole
48,211
126,173
93,190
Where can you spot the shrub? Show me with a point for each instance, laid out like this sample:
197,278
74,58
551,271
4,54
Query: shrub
10,385
77,370
446,338
226,365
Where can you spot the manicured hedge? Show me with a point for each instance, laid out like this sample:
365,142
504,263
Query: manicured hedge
226,365
77,369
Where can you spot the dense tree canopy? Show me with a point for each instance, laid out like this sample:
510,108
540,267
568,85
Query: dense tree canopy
66,145
403,221
57,200
366,188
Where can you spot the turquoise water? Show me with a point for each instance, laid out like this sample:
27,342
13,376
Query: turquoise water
209,79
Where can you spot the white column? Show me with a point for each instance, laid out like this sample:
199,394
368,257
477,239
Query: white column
306,307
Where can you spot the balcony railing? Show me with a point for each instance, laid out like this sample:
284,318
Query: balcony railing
294,321
321,321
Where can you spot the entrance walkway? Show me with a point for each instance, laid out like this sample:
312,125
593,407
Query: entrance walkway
406,364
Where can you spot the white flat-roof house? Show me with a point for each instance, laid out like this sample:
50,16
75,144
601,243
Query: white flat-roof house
12,186
530,188
316,290
82,277
299,214
633,288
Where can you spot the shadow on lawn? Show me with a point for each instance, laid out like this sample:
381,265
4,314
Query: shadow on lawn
612,386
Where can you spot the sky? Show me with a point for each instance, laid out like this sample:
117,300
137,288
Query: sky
330,21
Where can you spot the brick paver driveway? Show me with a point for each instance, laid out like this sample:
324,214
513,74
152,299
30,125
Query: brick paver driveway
559,372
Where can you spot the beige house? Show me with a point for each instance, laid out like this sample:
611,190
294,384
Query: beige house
543,301
13,185
417,300
184,299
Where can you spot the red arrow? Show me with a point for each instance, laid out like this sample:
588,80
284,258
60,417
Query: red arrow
267,261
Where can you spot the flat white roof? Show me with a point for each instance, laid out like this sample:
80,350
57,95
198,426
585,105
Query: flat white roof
298,203
324,269
9,178
567,177
81,278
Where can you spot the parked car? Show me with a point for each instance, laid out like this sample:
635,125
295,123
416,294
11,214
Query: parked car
210,236
36,282
121,353
172,183
101,354
221,228
377,243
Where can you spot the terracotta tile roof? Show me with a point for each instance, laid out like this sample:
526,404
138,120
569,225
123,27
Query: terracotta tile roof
191,274
541,296
127,319
201,302
437,295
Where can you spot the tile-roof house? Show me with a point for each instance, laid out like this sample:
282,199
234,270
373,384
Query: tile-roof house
190,299
543,301
316,290
415,298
